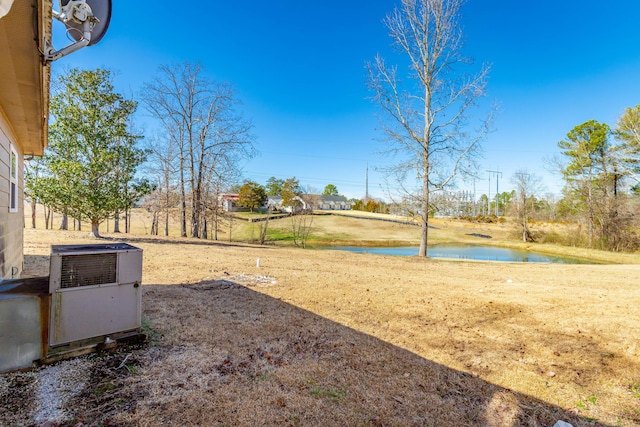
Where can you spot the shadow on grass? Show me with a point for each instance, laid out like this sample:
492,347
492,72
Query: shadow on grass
229,355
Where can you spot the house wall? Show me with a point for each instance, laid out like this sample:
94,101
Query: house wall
11,223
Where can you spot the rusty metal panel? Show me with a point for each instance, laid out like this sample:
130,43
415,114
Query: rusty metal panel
20,331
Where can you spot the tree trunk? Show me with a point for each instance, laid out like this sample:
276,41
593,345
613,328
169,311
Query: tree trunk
263,228
127,220
424,235
95,229
116,222
183,203
64,224
205,232
195,213
168,200
33,212
525,231
47,215
183,194
216,219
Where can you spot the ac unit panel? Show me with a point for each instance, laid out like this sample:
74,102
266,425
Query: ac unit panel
130,267
86,313
95,291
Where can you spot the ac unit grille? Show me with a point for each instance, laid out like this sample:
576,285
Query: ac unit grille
88,270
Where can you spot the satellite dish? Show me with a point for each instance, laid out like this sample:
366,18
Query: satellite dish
5,5
101,10
87,22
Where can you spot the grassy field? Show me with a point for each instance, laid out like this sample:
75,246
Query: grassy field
359,228
317,338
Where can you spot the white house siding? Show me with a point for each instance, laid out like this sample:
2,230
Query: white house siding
11,223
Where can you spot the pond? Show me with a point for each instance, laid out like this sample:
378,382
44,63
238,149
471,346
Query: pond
477,252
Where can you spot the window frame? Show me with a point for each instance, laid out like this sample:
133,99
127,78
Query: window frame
13,180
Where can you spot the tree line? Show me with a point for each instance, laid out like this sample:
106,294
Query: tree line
600,167
601,170
92,168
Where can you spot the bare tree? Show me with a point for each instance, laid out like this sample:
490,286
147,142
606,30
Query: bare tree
427,126
528,184
264,225
199,115
162,169
220,175
301,223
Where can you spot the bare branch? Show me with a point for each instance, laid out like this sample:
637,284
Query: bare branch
427,112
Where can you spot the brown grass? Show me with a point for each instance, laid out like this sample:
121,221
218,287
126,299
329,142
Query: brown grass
331,338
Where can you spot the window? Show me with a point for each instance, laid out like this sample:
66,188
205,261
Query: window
13,181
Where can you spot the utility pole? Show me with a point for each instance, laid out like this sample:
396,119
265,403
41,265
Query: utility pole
498,175
366,196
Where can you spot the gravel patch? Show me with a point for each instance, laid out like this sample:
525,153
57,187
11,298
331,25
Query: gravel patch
56,386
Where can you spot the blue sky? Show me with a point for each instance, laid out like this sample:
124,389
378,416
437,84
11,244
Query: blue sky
298,68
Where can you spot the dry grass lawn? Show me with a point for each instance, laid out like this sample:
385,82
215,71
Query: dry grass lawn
329,338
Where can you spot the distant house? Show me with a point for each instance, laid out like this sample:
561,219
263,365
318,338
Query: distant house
314,202
333,203
24,111
229,202
275,203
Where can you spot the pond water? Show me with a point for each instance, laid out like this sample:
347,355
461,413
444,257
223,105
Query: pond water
485,253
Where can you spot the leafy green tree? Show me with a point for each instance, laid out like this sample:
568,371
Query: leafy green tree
234,189
628,133
370,205
92,154
252,195
291,190
330,190
504,200
274,186
589,167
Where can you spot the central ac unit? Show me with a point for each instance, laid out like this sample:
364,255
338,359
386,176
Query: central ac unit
95,291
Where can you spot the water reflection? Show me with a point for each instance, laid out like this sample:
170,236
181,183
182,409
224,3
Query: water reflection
485,253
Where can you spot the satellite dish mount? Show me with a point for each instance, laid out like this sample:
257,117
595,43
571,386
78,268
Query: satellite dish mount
86,21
